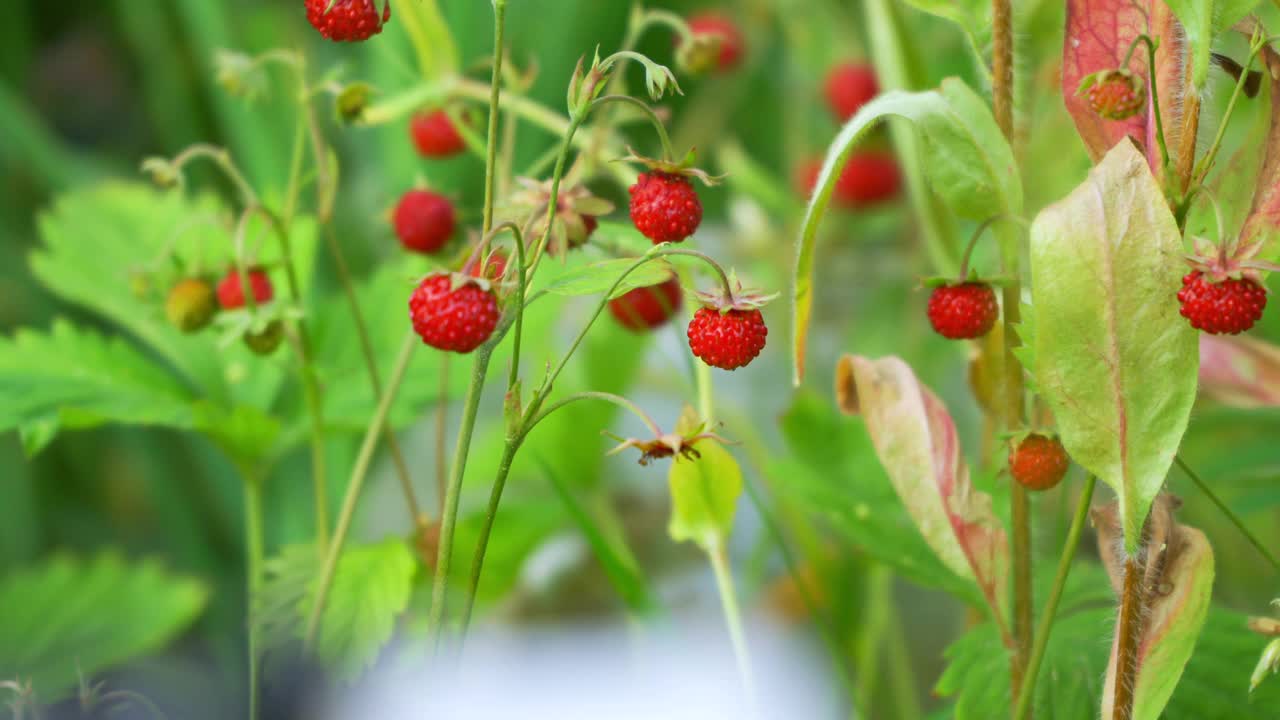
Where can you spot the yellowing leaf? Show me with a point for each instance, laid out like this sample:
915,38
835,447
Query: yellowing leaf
704,495
1114,360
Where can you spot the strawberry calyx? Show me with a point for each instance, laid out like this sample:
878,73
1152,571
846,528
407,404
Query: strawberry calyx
732,296
683,168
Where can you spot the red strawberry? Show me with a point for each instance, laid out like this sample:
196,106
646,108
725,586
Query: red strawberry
191,304
423,221
850,86
435,135
347,20
869,177
964,310
231,295
1116,94
665,207
494,267
725,32
727,340
645,308
1227,307
453,312
1038,462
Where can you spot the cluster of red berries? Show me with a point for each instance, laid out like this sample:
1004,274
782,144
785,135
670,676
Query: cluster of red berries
193,302
1228,307
347,20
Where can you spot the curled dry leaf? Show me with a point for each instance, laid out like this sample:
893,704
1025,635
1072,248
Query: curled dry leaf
1177,584
915,439
1239,371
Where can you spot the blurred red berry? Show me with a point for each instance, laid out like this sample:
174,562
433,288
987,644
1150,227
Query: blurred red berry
1117,95
231,294
869,177
665,207
347,20
849,86
457,319
424,221
727,340
435,135
964,311
1229,307
645,308
726,32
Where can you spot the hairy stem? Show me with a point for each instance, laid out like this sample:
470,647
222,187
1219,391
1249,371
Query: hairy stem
1002,64
1027,693
1128,632
359,471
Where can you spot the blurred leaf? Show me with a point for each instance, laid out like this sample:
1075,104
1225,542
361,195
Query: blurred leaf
704,495
1202,21
1263,223
1171,622
1098,35
244,433
970,165
521,526
69,615
1112,358
973,16
429,34
1240,371
72,378
597,278
916,441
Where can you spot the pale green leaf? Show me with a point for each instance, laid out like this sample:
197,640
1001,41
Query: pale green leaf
70,377
69,616
1202,21
969,165
1115,362
429,33
1171,625
973,16
704,495
597,278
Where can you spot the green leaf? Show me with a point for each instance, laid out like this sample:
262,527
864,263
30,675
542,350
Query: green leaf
69,616
72,378
1114,360
1171,625
427,30
1202,21
970,166
917,443
704,495
597,278
973,16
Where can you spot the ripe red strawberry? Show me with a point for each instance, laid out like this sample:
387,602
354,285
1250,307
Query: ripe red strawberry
850,86
869,177
435,135
347,20
191,304
231,295
423,221
453,312
1038,462
964,310
1227,307
645,308
1116,94
726,33
665,207
727,340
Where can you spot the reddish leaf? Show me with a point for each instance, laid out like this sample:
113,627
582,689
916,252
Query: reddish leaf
1099,33
1240,371
1264,216
917,444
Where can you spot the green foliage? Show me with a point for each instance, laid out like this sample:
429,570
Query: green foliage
69,616
704,495
598,277
973,16
1202,21
1112,358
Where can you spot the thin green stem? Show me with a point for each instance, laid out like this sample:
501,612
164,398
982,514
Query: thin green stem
495,91
449,513
668,153
1155,101
254,557
358,473
1235,519
486,528
1028,691
557,176
222,159
618,400
1206,163
732,614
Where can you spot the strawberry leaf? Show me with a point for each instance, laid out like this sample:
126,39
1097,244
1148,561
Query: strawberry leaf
970,166
704,495
916,441
597,278
1115,362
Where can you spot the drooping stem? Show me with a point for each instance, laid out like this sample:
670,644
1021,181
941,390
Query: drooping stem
254,556
1235,519
359,471
732,614
1027,693
1128,632
668,153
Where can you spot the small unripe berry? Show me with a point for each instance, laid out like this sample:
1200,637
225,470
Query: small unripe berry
191,305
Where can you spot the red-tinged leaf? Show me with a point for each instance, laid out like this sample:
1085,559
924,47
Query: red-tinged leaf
1174,611
915,439
1260,228
1098,34
1240,371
